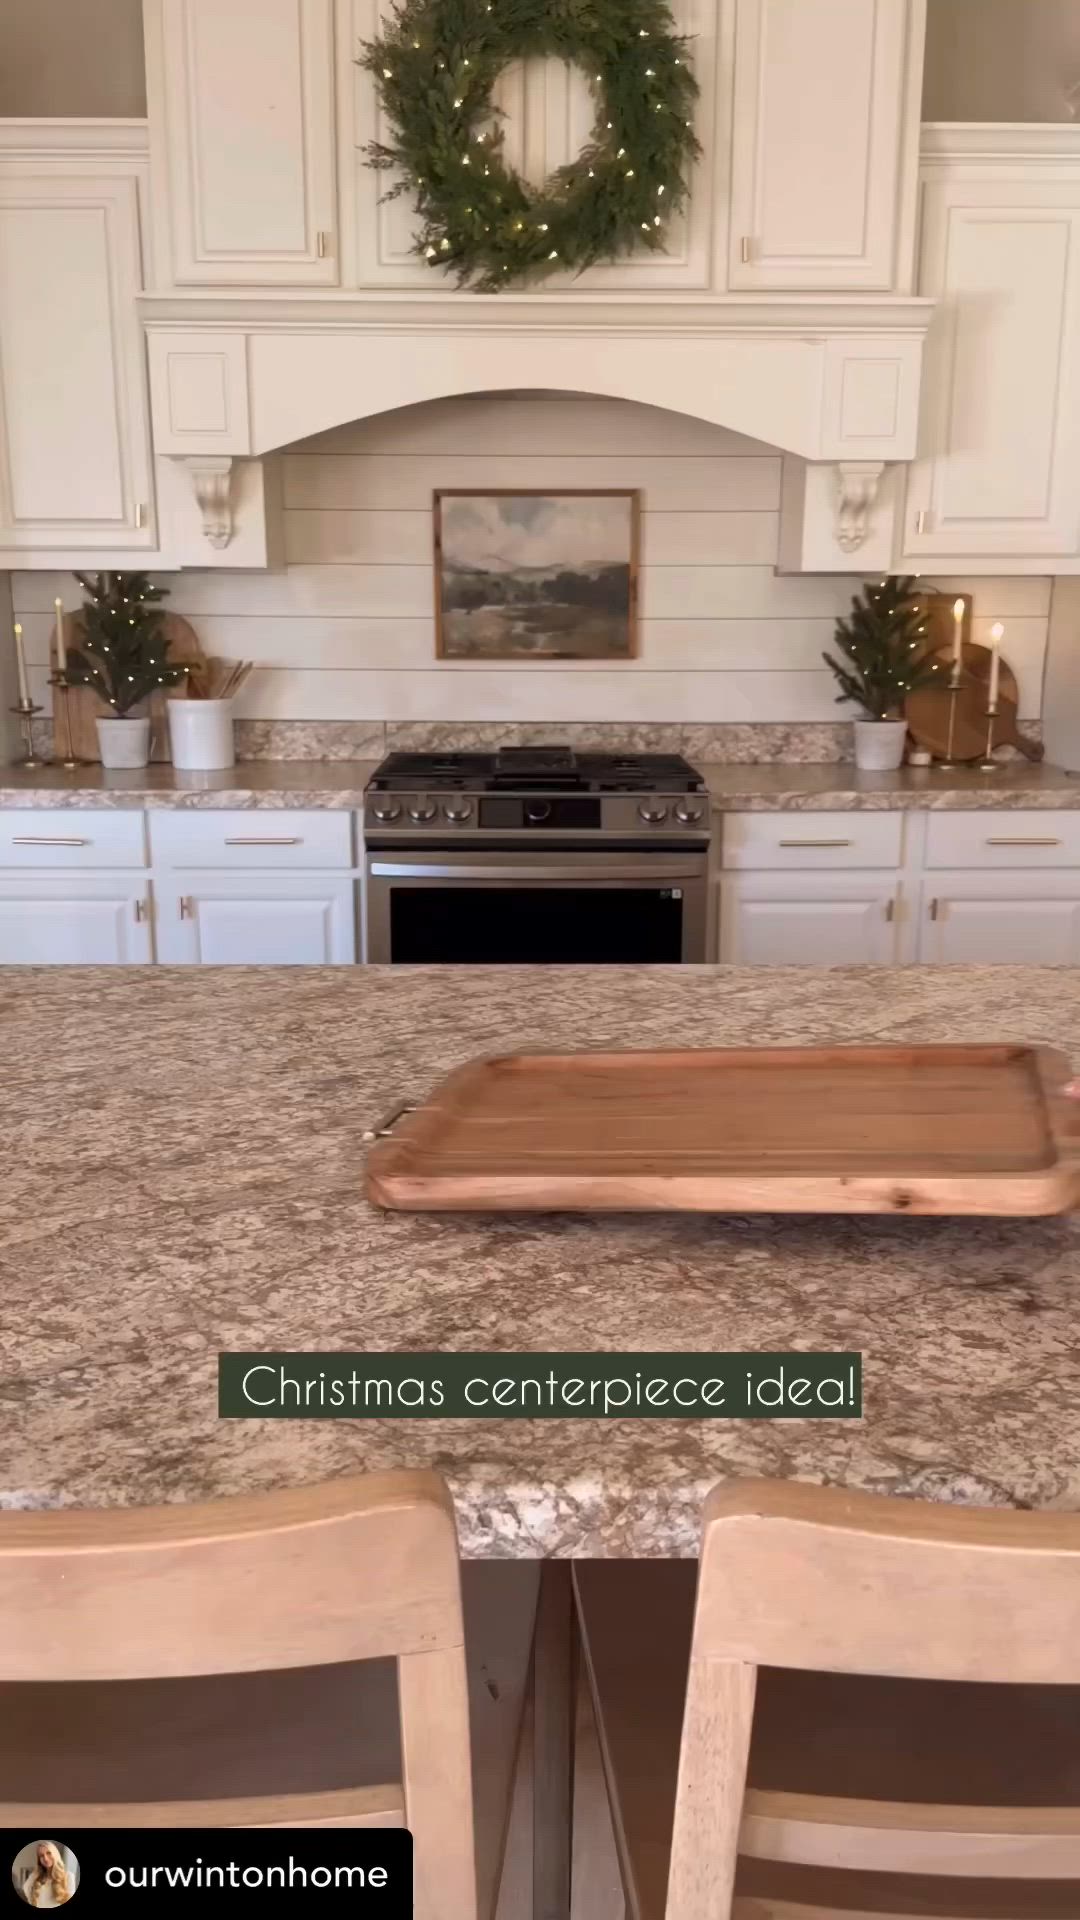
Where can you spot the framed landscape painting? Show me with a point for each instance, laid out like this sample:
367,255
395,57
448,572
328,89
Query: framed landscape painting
536,576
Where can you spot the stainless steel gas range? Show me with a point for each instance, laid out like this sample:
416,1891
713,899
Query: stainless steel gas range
536,854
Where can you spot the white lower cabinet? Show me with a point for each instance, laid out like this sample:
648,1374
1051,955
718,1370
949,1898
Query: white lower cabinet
69,919
811,920
986,919
255,919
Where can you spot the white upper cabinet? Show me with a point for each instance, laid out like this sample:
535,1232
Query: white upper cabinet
75,468
241,100
824,143
998,472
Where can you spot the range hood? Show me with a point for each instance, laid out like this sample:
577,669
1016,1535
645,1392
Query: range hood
832,382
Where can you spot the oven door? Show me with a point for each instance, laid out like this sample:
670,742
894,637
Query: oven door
491,907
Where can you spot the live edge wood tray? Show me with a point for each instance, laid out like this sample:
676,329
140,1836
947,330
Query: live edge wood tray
944,1130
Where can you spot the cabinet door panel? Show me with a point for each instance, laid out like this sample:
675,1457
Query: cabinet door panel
256,920
242,111
75,922
999,450
824,920
74,438
1000,919
816,192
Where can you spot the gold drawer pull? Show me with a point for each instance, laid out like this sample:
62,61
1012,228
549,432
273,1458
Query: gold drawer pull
1022,840
817,843
47,840
265,840
187,907
934,907
890,909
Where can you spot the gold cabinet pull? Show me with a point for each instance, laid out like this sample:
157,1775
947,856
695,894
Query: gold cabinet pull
1022,840
140,515
48,840
264,840
322,244
187,907
890,909
747,249
816,843
934,905
142,910
922,520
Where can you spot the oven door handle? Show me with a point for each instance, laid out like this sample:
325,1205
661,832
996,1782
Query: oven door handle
648,868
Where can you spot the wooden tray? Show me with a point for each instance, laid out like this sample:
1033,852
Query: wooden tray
952,1129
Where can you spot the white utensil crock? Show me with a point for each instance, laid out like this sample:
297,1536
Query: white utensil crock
124,743
201,735
879,744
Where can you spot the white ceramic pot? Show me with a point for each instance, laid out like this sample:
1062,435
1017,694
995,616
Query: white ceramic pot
879,744
201,735
124,743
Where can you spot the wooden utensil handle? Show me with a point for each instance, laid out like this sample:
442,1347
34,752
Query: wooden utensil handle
384,1127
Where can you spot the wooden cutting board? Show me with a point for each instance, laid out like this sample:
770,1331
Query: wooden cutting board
948,1129
85,706
927,708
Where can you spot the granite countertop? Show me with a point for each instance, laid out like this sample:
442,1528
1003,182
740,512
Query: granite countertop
182,1173
734,789
780,788
251,783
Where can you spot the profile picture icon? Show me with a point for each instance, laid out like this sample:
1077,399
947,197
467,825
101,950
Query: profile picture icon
45,1873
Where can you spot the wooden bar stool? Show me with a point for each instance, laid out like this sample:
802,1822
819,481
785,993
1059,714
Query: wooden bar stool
293,1659
870,1706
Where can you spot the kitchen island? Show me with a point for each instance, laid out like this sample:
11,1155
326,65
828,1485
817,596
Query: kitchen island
182,1173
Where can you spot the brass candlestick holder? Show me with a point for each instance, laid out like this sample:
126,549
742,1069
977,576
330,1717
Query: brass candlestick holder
954,689
26,711
988,764
64,741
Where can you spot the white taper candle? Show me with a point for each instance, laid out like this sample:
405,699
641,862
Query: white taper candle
61,650
997,635
958,635
20,668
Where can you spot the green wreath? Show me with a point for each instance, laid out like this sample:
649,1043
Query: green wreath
435,66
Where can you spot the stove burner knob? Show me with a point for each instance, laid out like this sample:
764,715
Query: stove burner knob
421,810
385,809
537,810
458,810
688,812
654,811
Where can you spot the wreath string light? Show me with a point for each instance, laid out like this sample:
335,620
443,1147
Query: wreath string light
435,66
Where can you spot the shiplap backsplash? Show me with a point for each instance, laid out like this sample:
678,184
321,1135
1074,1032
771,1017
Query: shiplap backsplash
345,631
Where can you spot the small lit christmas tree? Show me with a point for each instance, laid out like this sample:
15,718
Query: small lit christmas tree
123,652
884,643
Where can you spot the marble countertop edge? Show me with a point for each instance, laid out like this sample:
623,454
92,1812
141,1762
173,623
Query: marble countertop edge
339,785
